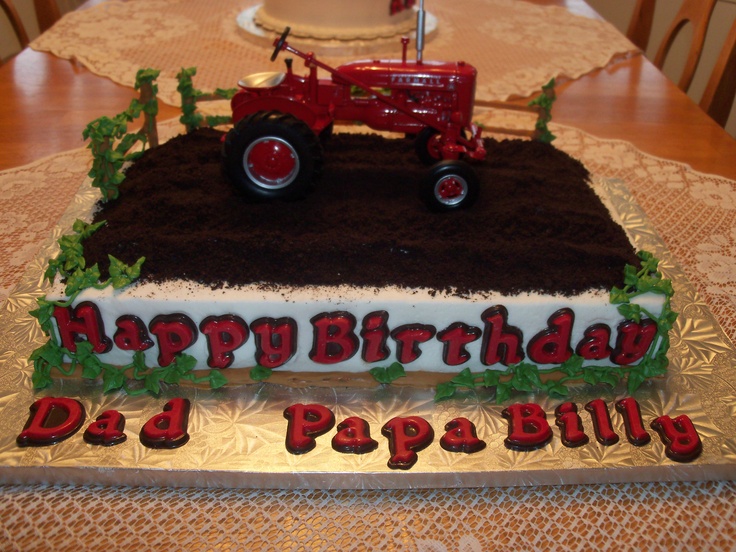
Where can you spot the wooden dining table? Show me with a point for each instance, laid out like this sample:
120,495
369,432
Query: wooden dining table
46,101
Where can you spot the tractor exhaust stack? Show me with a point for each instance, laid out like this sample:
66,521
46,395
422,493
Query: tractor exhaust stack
420,31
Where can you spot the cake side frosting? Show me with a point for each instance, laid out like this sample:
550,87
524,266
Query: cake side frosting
352,330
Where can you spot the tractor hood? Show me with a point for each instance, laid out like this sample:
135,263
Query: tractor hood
427,75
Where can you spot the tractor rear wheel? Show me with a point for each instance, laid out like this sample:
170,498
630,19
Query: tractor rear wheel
451,185
272,155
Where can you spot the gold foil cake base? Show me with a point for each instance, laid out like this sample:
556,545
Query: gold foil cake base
237,434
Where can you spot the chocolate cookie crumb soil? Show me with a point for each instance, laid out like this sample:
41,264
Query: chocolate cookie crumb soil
537,225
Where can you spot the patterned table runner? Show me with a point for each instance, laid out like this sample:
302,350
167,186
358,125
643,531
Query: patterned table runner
518,53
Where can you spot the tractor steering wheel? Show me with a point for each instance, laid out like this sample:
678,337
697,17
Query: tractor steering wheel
280,43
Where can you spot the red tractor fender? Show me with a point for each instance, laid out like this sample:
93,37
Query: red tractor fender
243,106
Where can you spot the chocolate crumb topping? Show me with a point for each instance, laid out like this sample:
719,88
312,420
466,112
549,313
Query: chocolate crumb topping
537,225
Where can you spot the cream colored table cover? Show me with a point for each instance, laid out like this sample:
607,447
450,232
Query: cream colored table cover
518,53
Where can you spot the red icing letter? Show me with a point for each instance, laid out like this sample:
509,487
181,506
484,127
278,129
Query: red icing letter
375,335
460,436
501,342
174,332
455,337
169,428
106,430
528,427
275,341
334,337
681,440
594,345
224,335
570,424
552,345
633,341
131,334
408,338
305,423
51,420
85,320
635,432
406,437
604,433
354,435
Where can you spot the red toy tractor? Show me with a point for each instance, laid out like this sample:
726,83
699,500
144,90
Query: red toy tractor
274,149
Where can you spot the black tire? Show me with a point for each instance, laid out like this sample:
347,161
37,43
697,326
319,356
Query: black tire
426,146
451,185
327,133
272,155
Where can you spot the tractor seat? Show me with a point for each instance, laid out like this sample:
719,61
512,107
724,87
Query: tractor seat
262,80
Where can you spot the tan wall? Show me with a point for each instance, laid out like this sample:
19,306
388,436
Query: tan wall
8,43
618,12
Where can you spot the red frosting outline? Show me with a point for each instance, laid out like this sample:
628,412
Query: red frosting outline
168,429
602,426
406,436
107,429
38,433
570,423
306,421
528,427
354,436
461,436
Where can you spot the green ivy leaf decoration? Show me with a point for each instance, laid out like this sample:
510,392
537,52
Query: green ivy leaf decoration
572,366
122,275
503,392
556,389
260,373
636,378
464,379
389,374
630,311
444,391
152,382
491,378
525,377
216,379
112,380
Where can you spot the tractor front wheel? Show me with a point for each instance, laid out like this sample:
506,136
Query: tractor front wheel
428,146
271,155
451,185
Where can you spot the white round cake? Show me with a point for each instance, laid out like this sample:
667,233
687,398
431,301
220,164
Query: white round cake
338,19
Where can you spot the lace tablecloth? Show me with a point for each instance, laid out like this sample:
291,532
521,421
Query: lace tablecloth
518,55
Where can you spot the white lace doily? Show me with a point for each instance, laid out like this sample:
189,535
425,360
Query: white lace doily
518,56
649,516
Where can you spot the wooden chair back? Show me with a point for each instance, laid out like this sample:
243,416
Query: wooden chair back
47,13
640,25
720,91
697,13
15,22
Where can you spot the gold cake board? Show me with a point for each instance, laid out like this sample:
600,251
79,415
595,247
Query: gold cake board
237,434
